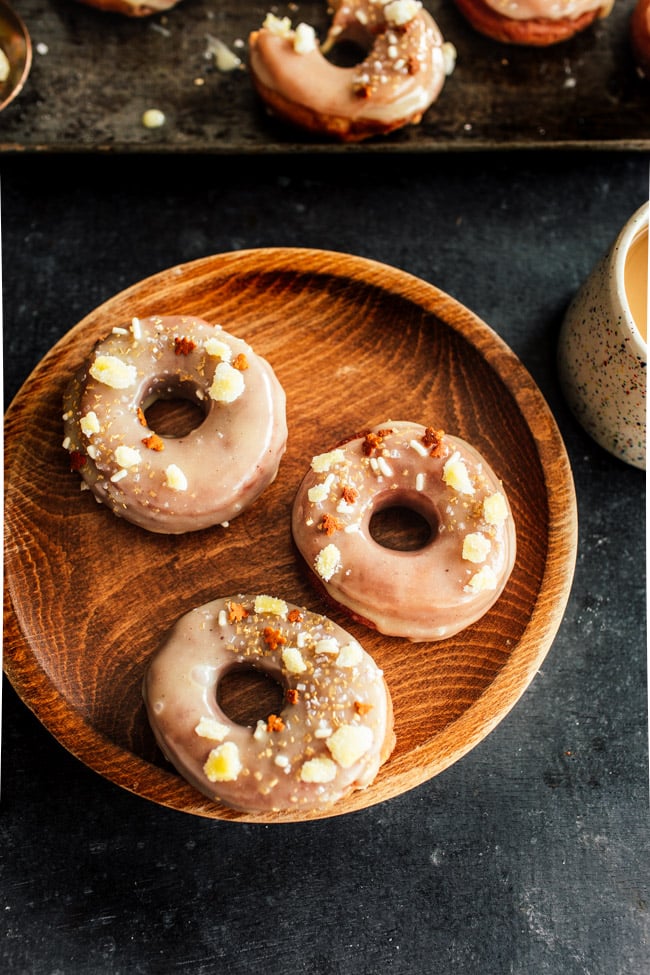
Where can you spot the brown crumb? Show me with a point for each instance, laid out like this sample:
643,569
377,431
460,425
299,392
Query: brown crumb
142,420
295,616
329,524
274,723
154,442
361,708
363,90
237,613
240,362
413,65
433,439
349,494
183,345
373,441
273,638
292,695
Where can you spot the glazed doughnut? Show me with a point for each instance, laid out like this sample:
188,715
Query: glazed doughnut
444,585
640,36
330,737
203,478
533,23
399,78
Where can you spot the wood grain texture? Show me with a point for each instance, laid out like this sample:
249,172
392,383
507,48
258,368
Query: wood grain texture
88,598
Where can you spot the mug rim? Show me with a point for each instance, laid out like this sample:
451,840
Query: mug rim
632,229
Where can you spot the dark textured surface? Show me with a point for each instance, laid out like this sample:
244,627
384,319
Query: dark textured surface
530,855
94,74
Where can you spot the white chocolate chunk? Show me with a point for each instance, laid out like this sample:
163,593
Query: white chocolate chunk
400,12
293,660
327,645
89,423
218,349
350,655
227,385
320,492
271,605
211,728
127,456
456,475
328,561
323,462
476,547
175,478
318,770
280,26
223,763
495,509
114,372
304,39
482,580
349,743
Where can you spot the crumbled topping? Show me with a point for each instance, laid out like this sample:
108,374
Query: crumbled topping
292,695
237,613
127,456
482,580
373,441
476,547
113,371
329,524
349,743
362,707
401,12
495,509
175,478
223,763
240,362
328,561
456,475
142,420
89,423
433,439
318,770
183,345
293,660
212,729
349,494
280,26
274,723
271,605
218,349
273,638
322,463
154,442
295,616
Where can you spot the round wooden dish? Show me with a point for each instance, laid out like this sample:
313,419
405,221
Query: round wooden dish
88,597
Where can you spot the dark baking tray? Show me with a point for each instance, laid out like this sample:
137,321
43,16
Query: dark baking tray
94,74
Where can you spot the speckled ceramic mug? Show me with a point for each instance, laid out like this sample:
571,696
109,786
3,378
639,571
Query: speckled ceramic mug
602,351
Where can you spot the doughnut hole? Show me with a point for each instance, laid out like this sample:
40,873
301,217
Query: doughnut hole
403,522
350,48
247,695
172,409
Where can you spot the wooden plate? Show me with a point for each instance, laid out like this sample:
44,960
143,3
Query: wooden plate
88,597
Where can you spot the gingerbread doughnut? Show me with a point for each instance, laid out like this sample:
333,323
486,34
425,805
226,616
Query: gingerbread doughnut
533,23
131,8
401,75
165,484
444,585
330,737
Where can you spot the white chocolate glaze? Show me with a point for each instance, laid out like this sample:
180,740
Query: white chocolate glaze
547,9
173,485
330,737
427,594
401,76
